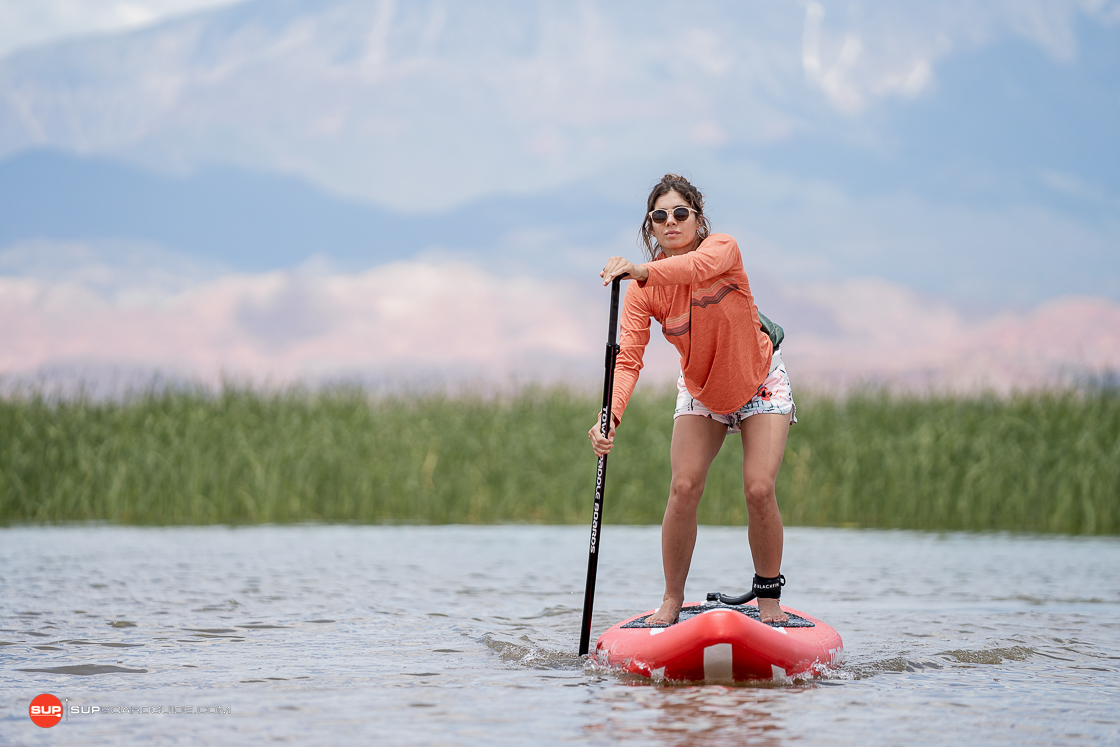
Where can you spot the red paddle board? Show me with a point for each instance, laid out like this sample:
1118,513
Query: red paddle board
721,643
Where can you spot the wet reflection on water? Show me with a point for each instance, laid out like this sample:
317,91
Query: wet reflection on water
689,715
461,635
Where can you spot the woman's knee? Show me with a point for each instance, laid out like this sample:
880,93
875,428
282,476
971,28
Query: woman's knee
687,488
760,494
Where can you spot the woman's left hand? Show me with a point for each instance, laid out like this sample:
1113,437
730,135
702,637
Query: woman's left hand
601,446
620,266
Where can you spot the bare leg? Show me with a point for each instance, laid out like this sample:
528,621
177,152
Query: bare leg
696,441
764,443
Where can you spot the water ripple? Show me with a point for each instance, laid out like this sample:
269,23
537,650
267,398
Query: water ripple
344,635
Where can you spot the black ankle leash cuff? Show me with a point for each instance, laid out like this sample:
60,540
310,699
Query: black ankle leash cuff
768,588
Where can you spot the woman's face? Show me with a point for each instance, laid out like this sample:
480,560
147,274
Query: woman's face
674,236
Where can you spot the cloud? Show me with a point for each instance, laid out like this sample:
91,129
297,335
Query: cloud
304,324
1051,24
859,53
127,273
25,23
873,331
854,75
462,324
434,104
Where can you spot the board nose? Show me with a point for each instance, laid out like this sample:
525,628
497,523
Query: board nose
718,663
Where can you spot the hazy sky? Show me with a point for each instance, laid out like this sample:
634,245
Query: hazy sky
25,23
961,156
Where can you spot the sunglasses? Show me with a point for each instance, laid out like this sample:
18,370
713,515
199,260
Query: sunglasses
680,213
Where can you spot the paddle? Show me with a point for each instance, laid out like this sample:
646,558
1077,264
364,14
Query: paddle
601,473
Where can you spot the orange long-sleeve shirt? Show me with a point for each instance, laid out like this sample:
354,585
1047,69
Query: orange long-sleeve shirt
704,304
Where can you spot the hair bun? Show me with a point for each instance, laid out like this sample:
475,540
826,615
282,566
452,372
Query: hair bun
683,186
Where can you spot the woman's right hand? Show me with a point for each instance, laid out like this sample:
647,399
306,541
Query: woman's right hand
621,266
599,444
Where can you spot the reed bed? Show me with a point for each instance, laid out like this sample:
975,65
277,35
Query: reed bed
1043,462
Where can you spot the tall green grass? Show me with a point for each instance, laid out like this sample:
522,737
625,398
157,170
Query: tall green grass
1045,462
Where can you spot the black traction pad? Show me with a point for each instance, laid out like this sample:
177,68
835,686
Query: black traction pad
692,610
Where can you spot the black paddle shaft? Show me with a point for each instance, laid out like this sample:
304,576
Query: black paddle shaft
601,473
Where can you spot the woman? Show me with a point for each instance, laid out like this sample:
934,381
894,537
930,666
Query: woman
732,380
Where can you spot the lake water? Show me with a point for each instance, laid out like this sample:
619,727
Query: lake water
327,635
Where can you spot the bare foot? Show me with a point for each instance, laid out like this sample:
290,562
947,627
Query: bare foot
770,611
667,614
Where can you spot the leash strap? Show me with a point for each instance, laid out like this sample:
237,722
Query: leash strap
768,588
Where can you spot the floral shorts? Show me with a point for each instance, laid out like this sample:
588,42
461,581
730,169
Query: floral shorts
775,396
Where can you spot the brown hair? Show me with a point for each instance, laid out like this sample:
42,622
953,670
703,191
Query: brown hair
680,185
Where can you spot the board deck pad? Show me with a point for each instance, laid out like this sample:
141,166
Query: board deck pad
690,611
